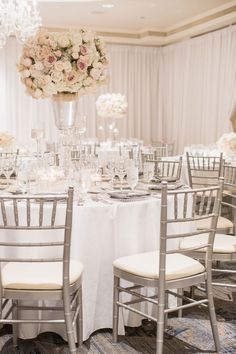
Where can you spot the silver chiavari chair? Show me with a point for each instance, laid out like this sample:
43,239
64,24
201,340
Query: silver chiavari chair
43,270
205,171
224,250
170,269
168,170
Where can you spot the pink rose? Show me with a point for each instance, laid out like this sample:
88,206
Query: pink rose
81,65
83,49
50,60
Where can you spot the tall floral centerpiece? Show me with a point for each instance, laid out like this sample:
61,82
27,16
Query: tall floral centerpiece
64,66
227,145
111,106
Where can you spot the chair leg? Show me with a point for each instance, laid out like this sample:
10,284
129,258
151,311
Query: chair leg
166,314
79,320
15,325
212,314
160,321
69,326
180,302
115,308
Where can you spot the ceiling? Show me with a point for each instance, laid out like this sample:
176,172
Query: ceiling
154,22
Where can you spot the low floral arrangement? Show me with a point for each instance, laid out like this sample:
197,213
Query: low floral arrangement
63,62
111,105
6,139
227,143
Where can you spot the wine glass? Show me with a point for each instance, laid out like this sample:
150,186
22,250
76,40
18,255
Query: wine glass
148,171
132,176
120,170
8,166
110,169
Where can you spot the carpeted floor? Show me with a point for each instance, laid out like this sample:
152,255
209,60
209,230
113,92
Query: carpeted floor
191,334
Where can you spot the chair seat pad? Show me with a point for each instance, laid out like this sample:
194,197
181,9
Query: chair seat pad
222,223
38,276
147,265
222,244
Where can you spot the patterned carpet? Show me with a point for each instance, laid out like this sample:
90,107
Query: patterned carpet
191,334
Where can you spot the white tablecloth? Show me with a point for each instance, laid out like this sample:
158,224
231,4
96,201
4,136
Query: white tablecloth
100,234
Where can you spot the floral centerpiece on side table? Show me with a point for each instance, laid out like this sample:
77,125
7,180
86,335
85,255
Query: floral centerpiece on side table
111,106
6,140
227,144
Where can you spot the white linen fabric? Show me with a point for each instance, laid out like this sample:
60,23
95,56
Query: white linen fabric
101,233
183,92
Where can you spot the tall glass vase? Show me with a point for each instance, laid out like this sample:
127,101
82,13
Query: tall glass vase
65,108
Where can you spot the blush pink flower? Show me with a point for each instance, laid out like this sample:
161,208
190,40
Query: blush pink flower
84,49
50,60
82,65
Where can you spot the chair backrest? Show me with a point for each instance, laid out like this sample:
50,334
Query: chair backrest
229,177
204,171
182,208
167,169
21,220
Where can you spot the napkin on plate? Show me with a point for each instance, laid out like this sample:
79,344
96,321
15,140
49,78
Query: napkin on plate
170,186
128,195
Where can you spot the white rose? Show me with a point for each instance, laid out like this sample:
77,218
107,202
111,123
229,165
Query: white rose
67,66
95,73
37,93
57,76
25,73
38,65
63,41
27,62
50,89
59,65
76,39
75,55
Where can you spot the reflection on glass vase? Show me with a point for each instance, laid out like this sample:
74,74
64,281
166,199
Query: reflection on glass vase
65,108
110,126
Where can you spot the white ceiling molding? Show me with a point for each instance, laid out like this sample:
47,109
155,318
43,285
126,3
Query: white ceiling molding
212,19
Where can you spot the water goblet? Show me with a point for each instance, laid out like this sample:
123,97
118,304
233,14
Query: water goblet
132,176
120,170
148,171
8,165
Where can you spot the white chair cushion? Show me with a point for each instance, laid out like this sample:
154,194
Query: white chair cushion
222,244
39,276
222,224
147,265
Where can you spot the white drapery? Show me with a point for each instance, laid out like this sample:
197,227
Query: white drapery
198,88
183,92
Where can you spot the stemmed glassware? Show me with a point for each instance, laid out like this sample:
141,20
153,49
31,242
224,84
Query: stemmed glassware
148,171
132,176
111,171
120,170
7,167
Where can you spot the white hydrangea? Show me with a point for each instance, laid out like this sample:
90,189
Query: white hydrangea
111,105
227,143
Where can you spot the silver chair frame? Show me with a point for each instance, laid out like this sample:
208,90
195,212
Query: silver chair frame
203,166
70,294
162,285
221,257
165,169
